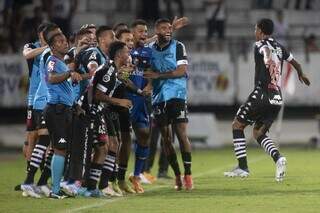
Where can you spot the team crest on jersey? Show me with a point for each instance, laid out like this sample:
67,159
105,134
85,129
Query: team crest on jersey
93,56
51,66
106,78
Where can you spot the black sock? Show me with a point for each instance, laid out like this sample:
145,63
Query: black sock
186,157
239,143
269,147
46,172
28,164
114,173
94,176
122,172
172,159
107,169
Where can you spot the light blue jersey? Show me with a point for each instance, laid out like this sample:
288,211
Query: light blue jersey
167,59
41,96
60,93
34,76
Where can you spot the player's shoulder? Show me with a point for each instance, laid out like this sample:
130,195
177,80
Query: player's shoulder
29,46
260,43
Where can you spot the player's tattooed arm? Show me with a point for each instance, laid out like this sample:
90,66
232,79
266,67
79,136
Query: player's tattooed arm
29,53
267,56
302,77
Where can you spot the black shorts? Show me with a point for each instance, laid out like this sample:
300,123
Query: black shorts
98,126
112,122
39,119
58,118
257,109
171,112
30,122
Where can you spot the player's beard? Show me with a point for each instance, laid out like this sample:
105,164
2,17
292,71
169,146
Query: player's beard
163,39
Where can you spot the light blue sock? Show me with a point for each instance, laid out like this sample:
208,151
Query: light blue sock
57,166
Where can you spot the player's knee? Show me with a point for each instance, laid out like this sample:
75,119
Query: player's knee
236,125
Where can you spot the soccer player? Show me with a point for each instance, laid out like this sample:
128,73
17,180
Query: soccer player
58,112
39,151
169,97
31,53
264,102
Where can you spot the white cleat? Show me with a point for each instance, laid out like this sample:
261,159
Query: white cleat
29,190
281,167
143,179
45,190
237,172
108,191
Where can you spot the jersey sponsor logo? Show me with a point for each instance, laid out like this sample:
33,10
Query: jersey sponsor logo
51,66
62,141
276,100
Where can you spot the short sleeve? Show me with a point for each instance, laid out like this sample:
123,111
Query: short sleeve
181,54
91,57
287,55
260,45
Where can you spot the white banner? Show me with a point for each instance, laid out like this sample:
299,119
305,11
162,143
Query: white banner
211,79
13,81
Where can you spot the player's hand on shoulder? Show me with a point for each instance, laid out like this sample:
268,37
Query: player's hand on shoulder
304,79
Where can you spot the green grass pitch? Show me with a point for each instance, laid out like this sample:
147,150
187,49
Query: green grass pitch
300,192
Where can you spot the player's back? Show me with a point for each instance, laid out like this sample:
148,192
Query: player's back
269,77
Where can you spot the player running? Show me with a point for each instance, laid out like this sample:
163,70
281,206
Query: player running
264,103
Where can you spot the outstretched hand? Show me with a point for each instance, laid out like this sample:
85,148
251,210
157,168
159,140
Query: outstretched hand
178,23
304,79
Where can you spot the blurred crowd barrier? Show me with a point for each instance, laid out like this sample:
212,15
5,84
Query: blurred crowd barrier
214,79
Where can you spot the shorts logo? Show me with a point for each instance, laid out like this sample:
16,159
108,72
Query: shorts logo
62,141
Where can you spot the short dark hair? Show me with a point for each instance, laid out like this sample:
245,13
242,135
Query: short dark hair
265,25
82,32
42,27
51,38
114,48
102,29
50,27
138,22
122,31
161,21
117,26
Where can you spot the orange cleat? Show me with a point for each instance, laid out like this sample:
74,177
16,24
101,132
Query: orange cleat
136,185
178,184
188,182
149,177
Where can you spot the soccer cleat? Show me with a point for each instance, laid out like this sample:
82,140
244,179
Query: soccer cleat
24,194
93,193
188,182
125,187
116,188
63,184
108,191
149,177
281,167
136,184
178,183
72,189
60,195
30,190
143,179
17,187
237,172
45,190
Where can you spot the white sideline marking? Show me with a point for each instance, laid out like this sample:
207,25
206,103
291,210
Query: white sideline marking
213,171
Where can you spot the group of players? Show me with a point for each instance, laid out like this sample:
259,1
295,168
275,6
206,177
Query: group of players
85,97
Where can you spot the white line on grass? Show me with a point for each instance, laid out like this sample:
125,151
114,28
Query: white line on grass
213,171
